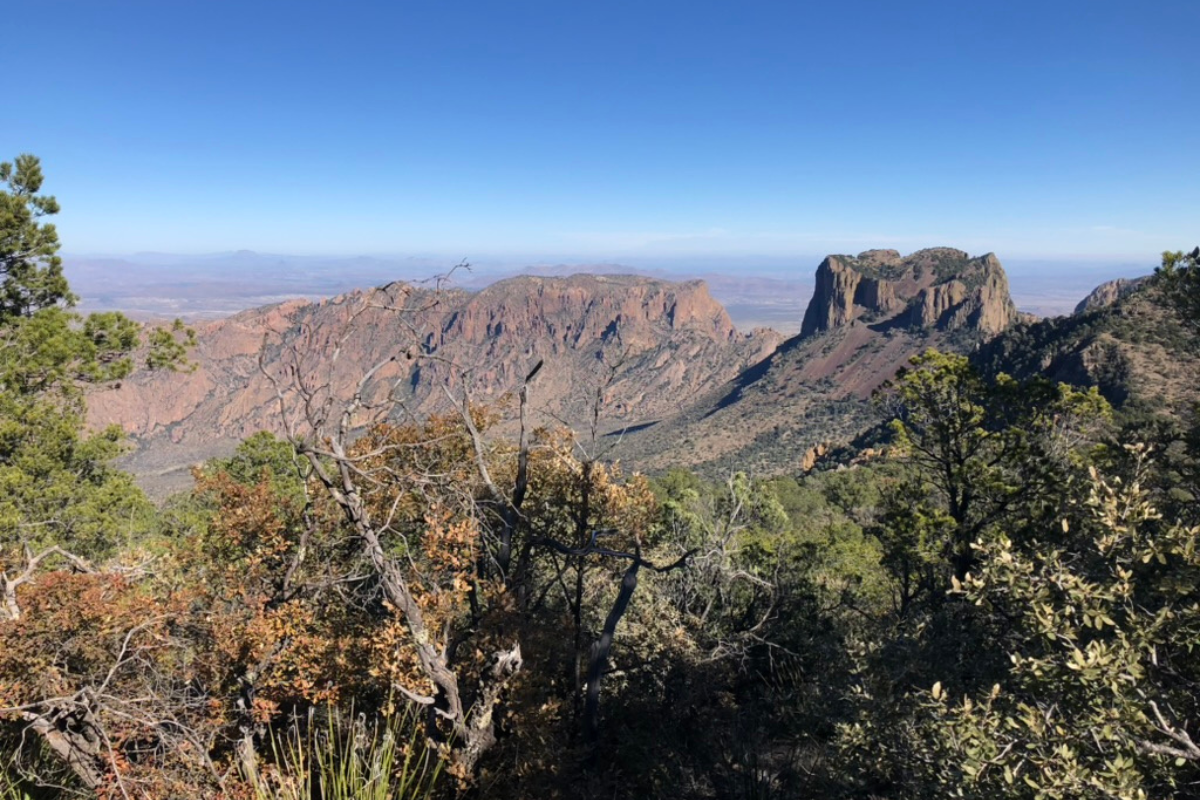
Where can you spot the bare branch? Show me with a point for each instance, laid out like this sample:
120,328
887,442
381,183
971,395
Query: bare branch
9,585
1187,748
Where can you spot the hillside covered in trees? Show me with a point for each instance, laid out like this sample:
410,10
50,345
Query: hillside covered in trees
1000,598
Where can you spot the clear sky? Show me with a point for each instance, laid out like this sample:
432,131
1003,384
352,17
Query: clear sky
611,130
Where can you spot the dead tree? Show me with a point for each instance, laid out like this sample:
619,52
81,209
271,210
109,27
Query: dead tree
323,428
602,647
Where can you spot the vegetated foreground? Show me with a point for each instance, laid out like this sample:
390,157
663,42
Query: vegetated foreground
1001,601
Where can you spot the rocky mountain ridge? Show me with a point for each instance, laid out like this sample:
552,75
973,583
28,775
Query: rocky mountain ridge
868,316
646,345
675,382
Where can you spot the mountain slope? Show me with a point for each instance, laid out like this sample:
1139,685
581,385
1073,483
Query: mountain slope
1125,340
868,315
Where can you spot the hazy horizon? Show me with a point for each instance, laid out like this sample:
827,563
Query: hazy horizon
757,291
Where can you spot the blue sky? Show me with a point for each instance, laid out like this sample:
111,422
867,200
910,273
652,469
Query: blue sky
611,130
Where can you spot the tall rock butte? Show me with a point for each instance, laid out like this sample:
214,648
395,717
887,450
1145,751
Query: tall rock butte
939,288
869,315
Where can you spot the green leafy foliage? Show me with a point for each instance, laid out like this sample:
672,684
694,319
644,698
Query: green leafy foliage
1103,684
985,452
264,454
1179,275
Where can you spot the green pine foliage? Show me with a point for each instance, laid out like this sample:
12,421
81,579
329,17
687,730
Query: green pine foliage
1179,276
57,485
32,270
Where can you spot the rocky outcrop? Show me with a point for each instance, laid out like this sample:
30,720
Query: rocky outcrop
646,345
846,290
833,298
877,296
935,303
869,315
939,288
813,455
1110,292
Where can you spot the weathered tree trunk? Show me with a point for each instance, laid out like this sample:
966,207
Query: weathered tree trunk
73,738
601,650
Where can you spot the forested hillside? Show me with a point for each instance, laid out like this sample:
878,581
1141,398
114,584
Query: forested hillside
1137,349
380,602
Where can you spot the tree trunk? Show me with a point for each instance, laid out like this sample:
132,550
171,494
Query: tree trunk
73,744
601,650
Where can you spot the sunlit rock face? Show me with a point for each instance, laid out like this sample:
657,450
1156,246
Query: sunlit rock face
1109,292
940,288
646,346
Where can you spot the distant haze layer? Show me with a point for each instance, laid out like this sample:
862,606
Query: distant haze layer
757,293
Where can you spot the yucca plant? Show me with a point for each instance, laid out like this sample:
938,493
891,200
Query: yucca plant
338,756
10,788
19,779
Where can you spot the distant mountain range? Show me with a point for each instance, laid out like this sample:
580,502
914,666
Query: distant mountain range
204,287
673,380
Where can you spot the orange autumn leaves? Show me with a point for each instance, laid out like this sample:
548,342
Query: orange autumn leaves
268,606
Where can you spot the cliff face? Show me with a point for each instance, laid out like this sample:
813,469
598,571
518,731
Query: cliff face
569,313
1108,293
939,288
648,345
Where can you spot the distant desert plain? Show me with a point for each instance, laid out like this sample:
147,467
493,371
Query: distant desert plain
772,295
